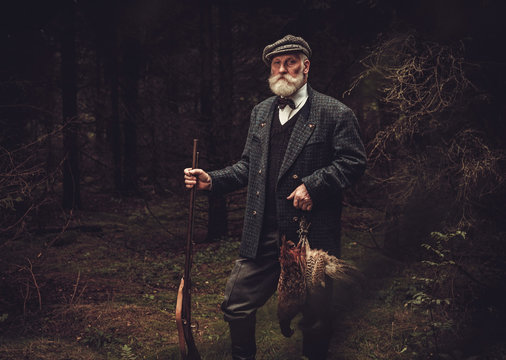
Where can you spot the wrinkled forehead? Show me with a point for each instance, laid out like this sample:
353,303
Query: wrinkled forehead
287,56
291,54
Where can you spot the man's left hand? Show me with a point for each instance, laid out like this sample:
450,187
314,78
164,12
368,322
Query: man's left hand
301,198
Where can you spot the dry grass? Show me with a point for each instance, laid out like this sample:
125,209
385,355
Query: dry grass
123,298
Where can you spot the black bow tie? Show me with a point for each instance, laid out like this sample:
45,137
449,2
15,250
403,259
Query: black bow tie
282,102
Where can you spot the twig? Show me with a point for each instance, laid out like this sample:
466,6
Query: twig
374,239
156,218
25,297
36,284
368,246
19,220
34,280
56,238
71,301
95,159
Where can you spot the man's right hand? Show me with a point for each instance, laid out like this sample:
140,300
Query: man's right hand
191,176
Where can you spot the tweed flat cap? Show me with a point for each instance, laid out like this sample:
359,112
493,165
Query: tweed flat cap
285,45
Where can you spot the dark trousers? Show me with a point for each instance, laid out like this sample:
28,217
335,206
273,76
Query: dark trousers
251,284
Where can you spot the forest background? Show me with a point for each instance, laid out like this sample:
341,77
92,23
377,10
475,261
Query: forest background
100,101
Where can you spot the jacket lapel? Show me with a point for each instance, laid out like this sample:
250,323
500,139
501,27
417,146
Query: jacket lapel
302,130
264,133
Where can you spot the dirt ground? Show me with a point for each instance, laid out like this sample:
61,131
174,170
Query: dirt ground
105,288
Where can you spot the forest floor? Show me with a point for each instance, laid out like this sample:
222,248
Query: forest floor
105,288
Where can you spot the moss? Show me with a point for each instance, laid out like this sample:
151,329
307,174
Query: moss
42,348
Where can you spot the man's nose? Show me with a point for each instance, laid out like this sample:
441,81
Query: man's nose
282,68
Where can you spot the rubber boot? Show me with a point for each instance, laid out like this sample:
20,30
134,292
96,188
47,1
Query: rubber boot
242,335
314,347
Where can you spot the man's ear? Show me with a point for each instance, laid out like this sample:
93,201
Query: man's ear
306,66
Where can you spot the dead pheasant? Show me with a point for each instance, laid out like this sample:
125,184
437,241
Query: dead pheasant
303,271
291,284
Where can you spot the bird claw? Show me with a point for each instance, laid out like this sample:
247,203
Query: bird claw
286,330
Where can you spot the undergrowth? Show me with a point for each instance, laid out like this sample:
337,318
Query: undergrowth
111,295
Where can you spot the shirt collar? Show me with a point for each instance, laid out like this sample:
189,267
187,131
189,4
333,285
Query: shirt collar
299,96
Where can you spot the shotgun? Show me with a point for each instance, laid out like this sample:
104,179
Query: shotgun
183,305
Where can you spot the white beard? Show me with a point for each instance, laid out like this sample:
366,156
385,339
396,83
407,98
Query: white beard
286,85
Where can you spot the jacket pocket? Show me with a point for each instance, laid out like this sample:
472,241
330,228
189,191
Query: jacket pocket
315,139
316,154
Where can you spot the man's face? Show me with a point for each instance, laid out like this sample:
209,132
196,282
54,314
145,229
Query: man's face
288,74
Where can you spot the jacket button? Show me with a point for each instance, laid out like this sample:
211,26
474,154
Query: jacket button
254,212
295,219
260,171
295,176
258,193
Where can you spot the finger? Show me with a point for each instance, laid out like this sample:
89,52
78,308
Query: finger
189,184
191,180
196,172
290,197
189,171
296,202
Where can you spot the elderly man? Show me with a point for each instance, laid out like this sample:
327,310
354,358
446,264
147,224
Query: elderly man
303,149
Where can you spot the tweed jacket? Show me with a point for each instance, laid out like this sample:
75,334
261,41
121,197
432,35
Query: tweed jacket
324,152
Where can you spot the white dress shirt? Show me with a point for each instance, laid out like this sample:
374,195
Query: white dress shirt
299,99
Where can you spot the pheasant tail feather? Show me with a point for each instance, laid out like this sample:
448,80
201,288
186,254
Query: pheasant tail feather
340,270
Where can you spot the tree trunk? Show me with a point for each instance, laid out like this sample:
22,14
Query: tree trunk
226,66
111,74
217,212
99,110
131,67
71,188
218,220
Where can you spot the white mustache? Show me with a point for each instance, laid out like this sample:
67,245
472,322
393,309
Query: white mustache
290,79
288,87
